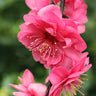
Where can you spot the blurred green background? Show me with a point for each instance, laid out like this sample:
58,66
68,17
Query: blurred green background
15,58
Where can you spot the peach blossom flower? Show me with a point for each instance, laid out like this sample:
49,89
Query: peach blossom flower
28,87
48,35
68,79
75,10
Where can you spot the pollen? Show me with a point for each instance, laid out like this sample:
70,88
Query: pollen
36,40
75,92
40,50
30,37
72,95
79,86
56,49
29,47
55,43
45,44
27,36
31,43
46,58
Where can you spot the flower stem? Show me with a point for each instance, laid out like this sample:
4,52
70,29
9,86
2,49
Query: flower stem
52,2
48,87
62,6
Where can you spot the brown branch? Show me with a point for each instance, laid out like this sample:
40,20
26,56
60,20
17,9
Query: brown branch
48,87
52,2
62,6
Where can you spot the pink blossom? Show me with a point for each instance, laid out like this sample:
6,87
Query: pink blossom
74,9
68,79
28,87
48,35
69,59
36,5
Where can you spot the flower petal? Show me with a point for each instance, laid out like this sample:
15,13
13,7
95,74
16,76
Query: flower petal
39,89
21,94
50,13
27,78
57,75
19,87
37,4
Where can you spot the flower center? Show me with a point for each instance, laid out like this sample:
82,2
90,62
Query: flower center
65,16
50,38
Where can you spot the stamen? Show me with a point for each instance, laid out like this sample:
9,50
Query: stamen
81,82
49,47
75,92
36,44
40,50
45,50
64,93
55,43
53,51
30,37
83,78
31,43
72,94
79,86
30,48
85,74
56,49
49,53
45,53
36,40
27,36
79,91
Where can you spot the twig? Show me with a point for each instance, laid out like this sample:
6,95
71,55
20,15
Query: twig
48,87
62,6
52,2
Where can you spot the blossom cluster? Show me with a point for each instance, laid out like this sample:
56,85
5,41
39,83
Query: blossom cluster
55,41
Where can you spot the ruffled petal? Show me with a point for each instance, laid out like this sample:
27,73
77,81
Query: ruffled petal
27,78
21,94
50,13
19,87
38,89
37,4
57,75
